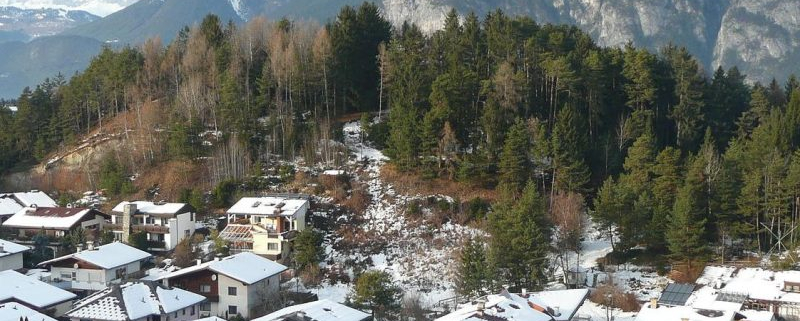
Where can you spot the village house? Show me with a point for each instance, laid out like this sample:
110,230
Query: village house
11,203
34,294
729,293
138,301
654,311
166,224
244,284
322,310
14,311
560,305
96,268
54,221
265,225
11,255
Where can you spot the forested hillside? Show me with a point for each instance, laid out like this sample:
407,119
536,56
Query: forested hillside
665,157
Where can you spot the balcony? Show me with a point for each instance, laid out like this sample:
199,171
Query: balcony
158,229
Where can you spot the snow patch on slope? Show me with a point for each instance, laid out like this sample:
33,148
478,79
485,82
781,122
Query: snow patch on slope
237,6
97,7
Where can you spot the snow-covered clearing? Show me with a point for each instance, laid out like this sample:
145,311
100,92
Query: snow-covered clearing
420,257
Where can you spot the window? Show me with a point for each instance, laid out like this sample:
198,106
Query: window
205,288
120,273
186,233
176,314
183,311
66,276
205,306
192,311
272,246
232,290
74,276
232,310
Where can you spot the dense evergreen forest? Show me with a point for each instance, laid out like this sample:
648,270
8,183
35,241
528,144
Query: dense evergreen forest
666,156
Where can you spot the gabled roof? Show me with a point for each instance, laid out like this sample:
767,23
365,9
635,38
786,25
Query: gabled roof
132,301
8,206
563,303
10,248
503,306
107,256
246,267
30,291
322,310
59,218
13,311
35,198
268,206
145,207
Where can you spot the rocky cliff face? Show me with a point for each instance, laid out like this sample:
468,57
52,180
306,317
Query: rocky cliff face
758,36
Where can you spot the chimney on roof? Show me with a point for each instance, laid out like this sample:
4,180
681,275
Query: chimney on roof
2,250
480,307
128,210
79,247
199,261
653,303
524,292
90,245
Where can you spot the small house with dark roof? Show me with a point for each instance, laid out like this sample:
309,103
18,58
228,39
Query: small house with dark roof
138,301
54,221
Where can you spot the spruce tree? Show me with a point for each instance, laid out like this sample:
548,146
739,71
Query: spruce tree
568,147
685,236
473,272
520,240
514,161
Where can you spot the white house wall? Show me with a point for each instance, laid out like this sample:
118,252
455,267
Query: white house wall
11,262
225,300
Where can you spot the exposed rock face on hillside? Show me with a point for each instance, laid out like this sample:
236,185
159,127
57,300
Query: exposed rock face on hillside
758,36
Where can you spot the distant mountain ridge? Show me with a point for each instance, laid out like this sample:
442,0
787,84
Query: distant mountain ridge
19,24
761,37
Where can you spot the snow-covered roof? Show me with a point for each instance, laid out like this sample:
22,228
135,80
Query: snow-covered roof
269,206
754,283
322,310
144,207
245,267
107,256
9,248
59,218
506,305
211,319
30,290
132,301
35,198
13,311
8,206
563,302
678,313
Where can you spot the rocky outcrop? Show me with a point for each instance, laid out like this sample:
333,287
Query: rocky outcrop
760,37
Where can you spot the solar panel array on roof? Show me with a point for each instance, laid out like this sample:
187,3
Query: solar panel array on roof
676,294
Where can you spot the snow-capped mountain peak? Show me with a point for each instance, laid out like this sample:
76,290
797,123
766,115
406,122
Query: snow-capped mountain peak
96,7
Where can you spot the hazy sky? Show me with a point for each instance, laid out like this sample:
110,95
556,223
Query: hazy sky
98,7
